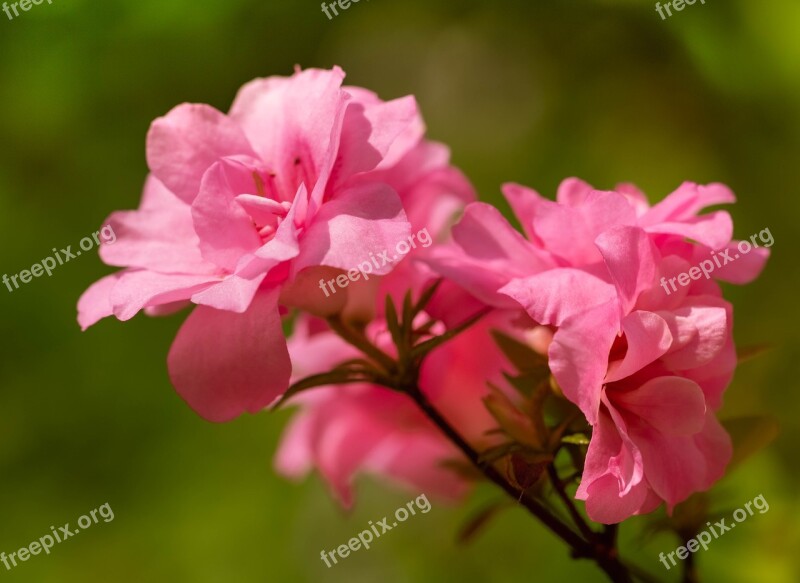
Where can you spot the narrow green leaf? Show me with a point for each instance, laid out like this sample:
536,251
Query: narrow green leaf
335,377
408,311
391,321
523,357
576,438
516,424
423,349
426,296
497,452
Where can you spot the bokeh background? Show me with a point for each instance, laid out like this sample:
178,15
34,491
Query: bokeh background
524,91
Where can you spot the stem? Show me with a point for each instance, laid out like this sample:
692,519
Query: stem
690,569
403,377
587,532
606,558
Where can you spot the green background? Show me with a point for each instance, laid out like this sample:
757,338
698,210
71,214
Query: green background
522,91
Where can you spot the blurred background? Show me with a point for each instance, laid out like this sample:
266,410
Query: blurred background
522,91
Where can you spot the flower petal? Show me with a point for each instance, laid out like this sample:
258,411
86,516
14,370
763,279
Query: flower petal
671,405
648,338
95,303
183,144
224,364
363,220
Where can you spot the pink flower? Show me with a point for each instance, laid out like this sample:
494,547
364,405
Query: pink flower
241,214
344,431
623,349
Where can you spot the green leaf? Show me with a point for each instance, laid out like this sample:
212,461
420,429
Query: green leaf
497,452
408,311
516,424
391,321
524,358
576,438
421,350
426,296
525,384
335,377
750,435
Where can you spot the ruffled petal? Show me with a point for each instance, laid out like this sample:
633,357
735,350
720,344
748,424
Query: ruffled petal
224,364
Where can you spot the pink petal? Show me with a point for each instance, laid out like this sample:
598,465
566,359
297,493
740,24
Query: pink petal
679,465
612,483
481,278
604,503
631,261
368,133
579,356
233,293
555,295
417,461
573,192
95,303
436,200
524,202
700,331
743,267
363,220
183,144
486,235
570,232
160,236
671,405
224,364
713,230
225,229
294,124
648,338
140,289
294,458
686,201
635,197
404,115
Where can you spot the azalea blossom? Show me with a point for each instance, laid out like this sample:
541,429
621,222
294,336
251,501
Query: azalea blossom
244,212
588,268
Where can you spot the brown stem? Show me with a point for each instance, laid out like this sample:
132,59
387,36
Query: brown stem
558,485
606,558
690,569
404,377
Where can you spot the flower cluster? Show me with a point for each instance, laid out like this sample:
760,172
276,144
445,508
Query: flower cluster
646,369
244,213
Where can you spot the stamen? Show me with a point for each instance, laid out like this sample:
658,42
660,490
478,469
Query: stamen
259,184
